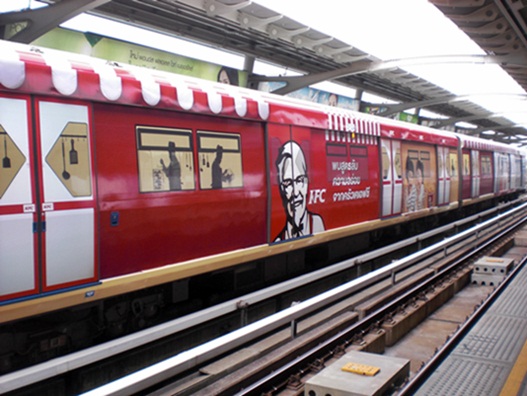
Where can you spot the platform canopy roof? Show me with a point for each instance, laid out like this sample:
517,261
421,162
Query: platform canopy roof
247,28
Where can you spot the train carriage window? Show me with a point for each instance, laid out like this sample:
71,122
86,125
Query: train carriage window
413,155
486,165
336,155
339,150
452,164
220,160
466,164
385,163
398,167
347,164
424,157
359,162
166,159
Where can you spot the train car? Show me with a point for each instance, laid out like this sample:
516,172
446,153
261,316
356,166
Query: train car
156,189
478,162
419,169
488,168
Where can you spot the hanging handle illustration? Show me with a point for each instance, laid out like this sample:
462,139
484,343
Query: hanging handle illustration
74,155
65,173
6,161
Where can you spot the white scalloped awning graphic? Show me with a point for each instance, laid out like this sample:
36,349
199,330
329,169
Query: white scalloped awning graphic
110,83
64,77
263,110
12,69
240,104
185,96
150,89
214,99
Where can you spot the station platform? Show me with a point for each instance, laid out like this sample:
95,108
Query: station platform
491,359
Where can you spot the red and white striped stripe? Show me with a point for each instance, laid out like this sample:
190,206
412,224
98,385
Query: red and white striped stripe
58,73
352,128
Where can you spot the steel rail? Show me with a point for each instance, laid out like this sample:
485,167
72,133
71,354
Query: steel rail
281,373
420,378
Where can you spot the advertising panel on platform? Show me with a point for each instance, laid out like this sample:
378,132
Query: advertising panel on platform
120,51
314,95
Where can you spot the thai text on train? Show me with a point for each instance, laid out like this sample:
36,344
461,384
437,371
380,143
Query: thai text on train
349,180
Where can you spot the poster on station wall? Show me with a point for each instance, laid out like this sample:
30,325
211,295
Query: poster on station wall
320,180
120,51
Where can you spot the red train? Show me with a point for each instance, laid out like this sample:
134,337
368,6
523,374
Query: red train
116,179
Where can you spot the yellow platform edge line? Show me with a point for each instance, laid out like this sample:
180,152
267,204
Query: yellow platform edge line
515,379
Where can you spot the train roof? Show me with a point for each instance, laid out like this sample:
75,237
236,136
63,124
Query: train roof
45,71
472,142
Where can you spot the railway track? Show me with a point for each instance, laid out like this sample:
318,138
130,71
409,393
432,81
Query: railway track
397,314
351,314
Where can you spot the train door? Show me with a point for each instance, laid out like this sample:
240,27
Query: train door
501,169
466,178
515,172
18,265
391,177
444,180
521,176
47,233
474,154
486,176
67,202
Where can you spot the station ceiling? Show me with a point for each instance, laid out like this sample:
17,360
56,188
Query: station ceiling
244,27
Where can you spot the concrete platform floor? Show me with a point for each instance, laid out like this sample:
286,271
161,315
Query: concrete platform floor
420,344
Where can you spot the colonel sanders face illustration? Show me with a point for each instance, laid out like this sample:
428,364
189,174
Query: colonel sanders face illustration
293,182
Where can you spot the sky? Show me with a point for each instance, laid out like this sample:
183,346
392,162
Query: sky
387,29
